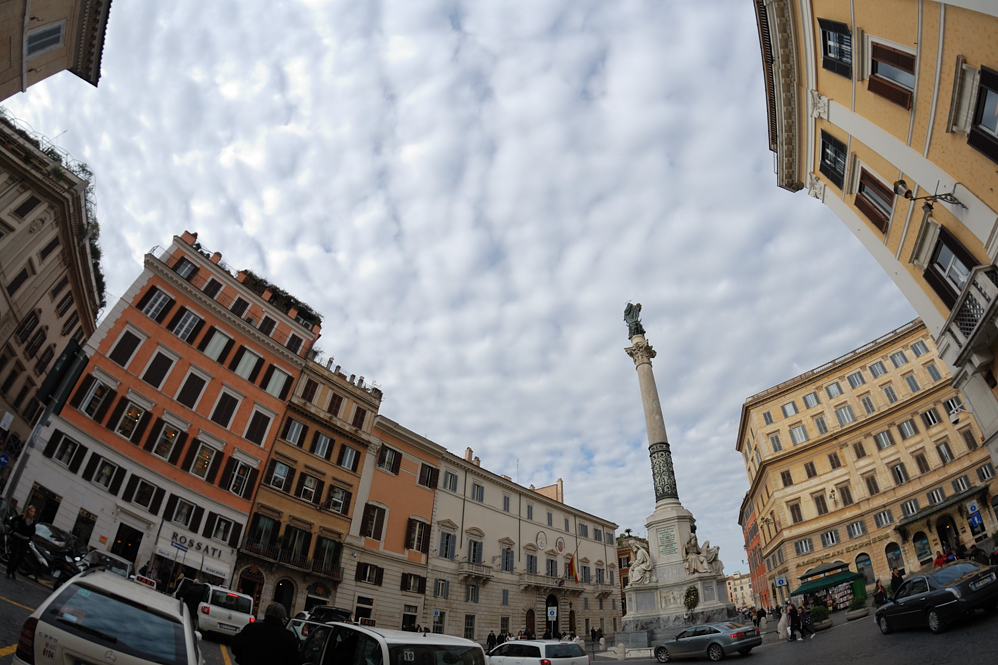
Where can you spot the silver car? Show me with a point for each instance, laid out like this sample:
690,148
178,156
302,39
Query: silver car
713,640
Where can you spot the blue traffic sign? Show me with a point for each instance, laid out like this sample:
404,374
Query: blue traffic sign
178,546
4,460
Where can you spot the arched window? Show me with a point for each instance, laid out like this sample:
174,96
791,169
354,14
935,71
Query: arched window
894,557
922,550
865,567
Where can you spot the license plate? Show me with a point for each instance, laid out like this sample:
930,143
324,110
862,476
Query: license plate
982,582
229,627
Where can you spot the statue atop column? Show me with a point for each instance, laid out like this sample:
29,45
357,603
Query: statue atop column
631,317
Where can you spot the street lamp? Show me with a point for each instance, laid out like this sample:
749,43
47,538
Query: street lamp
901,189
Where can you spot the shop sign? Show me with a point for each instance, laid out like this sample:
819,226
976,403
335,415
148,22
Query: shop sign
842,550
196,545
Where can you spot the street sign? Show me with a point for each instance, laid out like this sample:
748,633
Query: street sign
436,614
975,519
180,547
4,460
552,613
781,581
972,506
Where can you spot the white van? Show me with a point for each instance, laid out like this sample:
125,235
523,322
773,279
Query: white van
366,645
223,611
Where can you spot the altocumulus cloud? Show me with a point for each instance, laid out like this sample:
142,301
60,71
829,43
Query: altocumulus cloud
470,192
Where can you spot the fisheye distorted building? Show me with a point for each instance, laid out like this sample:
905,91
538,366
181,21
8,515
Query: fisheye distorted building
887,112
867,461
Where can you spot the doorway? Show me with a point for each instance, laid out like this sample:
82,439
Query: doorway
126,543
949,538
284,593
529,621
251,583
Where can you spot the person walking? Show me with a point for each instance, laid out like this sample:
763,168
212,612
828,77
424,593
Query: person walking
782,626
267,642
22,529
794,622
762,619
896,579
805,621
490,642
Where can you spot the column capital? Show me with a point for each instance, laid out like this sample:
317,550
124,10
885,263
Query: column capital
640,351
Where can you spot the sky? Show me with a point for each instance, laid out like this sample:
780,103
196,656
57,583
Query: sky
469,193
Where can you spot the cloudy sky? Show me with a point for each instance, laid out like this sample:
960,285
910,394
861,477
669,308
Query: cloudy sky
469,193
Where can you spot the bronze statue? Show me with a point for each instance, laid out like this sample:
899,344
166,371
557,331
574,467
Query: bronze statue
632,313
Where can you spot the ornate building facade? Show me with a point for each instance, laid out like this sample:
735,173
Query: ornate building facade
866,461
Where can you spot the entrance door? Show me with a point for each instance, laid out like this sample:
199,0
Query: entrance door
529,621
284,593
948,536
251,583
126,543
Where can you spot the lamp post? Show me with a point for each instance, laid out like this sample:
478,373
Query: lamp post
901,189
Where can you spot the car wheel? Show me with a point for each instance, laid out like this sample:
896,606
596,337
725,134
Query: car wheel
935,622
746,651
885,627
662,655
715,652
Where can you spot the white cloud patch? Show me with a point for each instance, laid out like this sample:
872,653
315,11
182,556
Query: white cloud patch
469,192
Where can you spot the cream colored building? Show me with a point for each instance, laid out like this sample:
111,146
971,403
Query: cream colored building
51,286
44,37
885,111
740,590
860,461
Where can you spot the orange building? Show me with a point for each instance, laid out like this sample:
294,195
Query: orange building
157,455
753,547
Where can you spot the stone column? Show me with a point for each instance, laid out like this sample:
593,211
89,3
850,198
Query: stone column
663,475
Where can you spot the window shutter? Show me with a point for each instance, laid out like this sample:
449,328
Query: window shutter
191,454
216,464
405,578
123,349
112,422
301,484
53,443
119,475
157,500
434,477
446,588
237,530
365,519
81,392
146,297
171,507
379,523
250,483
256,370
347,496
984,143
105,405
266,377
227,473
178,448
141,427
225,351
339,456
157,370
236,358
422,585
176,318
379,575
287,428
88,473
194,331
315,440
166,310
425,545
890,91
290,481
359,573
209,524
302,436
382,454
410,526
872,212
270,472
191,390
288,382
317,498
397,462
157,427
196,519
81,452
130,488
206,339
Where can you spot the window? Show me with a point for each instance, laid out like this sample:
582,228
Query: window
335,403
921,462
222,529
949,268
217,345
389,459
789,409
505,601
961,484
598,535
834,461
551,567
919,348
144,492
293,344
909,508
819,423
788,479
774,441
105,473
156,304
845,495
307,486
856,529
129,421
16,283
190,392
933,372
26,327
358,418
124,348
49,248
833,389
844,415
247,364
157,369
185,328
874,199
202,461
884,439
259,423
908,429
239,306
810,470
856,379
945,454
322,445
899,358
224,408
830,538
275,384
267,325
550,519
66,450
448,545
182,514
968,439
867,404
986,472
477,492
811,400
94,399
586,574
795,513
532,564
819,504
44,39
308,392
930,418
373,522
836,47
27,206
798,434
883,518
871,484
240,474
890,394
892,74
279,475
899,473
584,530
450,481
64,305
833,160
877,369
212,288
530,512
912,383
803,546
369,574
505,503
767,418
293,431
984,128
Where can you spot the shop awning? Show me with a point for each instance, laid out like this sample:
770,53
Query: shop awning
942,505
825,583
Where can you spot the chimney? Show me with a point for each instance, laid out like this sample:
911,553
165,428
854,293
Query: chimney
352,377
477,461
468,452
360,382
329,363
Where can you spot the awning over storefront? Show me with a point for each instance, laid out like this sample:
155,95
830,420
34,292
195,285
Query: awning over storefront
942,505
825,583
195,554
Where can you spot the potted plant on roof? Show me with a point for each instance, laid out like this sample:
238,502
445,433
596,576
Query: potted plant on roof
857,608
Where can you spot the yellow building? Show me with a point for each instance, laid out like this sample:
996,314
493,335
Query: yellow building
740,590
887,112
860,461
43,38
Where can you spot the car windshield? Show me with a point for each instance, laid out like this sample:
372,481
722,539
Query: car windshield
51,534
96,558
434,654
231,601
569,650
953,572
117,623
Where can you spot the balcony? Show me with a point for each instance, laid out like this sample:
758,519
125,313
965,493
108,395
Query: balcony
602,590
332,571
544,583
474,571
966,339
261,550
279,557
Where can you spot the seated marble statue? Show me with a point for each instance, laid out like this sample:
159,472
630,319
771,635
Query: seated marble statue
640,570
695,561
715,564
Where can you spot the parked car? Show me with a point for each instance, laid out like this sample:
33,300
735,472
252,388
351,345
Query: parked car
224,611
937,597
538,652
347,643
302,622
108,561
713,640
100,617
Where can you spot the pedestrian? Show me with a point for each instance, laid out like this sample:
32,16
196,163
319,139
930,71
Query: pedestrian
755,618
879,595
794,622
22,529
192,596
939,560
896,579
805,621
267,642
592,633
491,640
